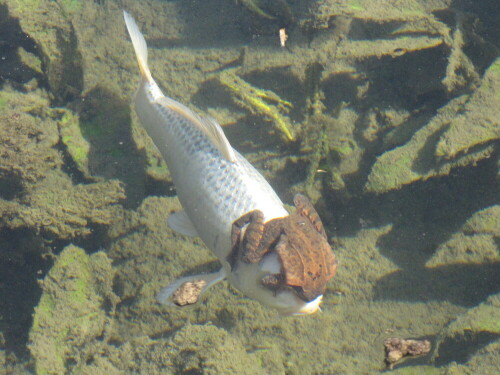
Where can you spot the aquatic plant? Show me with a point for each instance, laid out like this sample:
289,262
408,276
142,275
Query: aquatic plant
254,100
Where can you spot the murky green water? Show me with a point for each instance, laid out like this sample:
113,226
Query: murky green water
385,113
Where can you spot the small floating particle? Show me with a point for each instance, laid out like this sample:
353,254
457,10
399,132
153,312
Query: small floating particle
283,37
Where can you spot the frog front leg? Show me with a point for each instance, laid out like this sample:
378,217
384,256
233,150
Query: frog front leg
258,238
306,209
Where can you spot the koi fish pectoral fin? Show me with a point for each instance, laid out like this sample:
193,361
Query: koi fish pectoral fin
188,290
180,222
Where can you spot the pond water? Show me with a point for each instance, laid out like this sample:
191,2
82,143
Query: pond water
384,113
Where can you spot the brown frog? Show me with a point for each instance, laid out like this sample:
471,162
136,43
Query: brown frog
307,260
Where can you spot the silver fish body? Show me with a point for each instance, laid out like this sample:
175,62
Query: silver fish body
214,183
213,191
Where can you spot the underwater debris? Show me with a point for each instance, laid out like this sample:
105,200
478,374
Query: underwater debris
254,100
283,37
71,314
397,348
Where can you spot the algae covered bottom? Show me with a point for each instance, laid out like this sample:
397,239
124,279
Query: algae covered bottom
383,112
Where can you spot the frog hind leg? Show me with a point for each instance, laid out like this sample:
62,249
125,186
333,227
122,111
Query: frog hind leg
258,238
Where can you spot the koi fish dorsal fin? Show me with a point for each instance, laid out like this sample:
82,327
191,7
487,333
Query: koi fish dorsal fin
207,125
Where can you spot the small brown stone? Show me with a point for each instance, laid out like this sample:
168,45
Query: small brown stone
188,293
397,348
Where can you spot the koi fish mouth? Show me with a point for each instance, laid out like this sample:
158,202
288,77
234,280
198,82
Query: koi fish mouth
307,308
311,307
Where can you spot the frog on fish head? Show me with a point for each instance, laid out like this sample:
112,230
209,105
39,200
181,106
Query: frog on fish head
300,242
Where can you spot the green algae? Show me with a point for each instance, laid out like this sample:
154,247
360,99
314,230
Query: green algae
411,162
484,318
419,370
29,136
333,153
211,350
200,349
26,5
71,313
484,221
380,11
459,135
475,243
57,208
484,361
460,71
356,5
72,6
4,100
478,123
30,60
76,145
255,7
347,336
65,210
46,24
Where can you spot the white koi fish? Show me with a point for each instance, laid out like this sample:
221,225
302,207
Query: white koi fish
223,196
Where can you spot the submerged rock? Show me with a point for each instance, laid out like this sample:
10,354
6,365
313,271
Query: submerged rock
28,136
61,209
460,337
479,122
72,312
416,159
475,243
460,134
47,24
199,349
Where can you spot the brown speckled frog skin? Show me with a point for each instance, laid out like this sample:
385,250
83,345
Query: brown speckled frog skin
307,260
